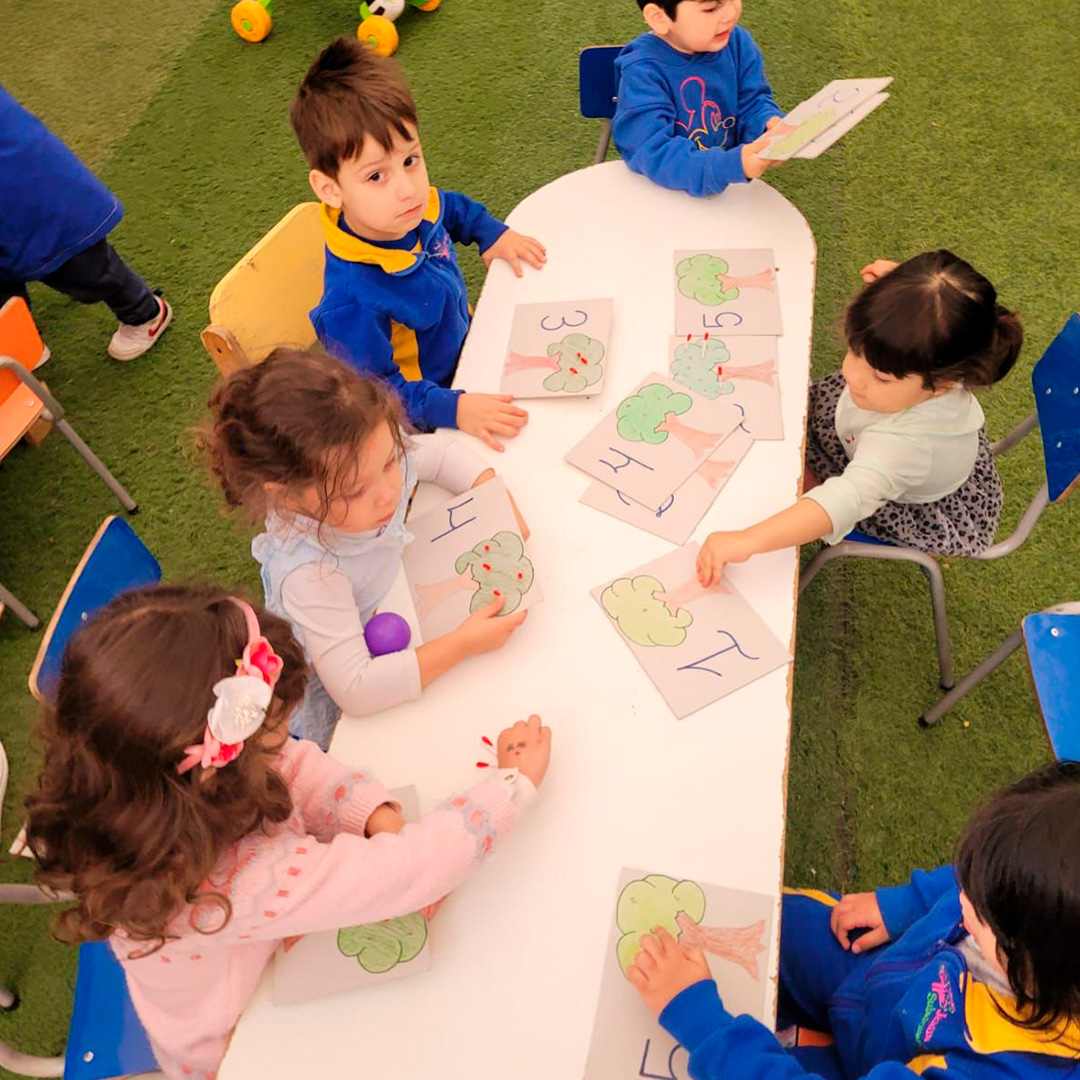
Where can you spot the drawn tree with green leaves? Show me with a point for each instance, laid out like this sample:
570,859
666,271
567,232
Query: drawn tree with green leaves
576,362
702,365
705,278
652,414
642,615
380,946
679,906
495,567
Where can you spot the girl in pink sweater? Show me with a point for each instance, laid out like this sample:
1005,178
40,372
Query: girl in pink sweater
196,835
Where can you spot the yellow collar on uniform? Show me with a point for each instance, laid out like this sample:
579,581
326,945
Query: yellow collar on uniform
352,249
991,1033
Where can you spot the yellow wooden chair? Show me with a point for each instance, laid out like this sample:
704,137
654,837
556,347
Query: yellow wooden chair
264,300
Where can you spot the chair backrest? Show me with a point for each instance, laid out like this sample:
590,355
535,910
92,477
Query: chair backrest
1052,640
264,300
115,561
1055,381
597,84
20,340
106,1038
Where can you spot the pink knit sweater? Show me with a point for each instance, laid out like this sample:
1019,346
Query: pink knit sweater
315,871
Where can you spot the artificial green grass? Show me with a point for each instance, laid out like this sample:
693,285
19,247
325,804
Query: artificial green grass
188,124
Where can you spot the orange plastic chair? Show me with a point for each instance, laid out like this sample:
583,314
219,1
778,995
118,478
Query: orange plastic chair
24,400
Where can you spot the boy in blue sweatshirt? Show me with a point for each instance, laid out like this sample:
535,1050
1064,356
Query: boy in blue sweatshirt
693,101
394,302
970,972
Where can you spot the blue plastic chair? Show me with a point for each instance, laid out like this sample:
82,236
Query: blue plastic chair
597,90
1052,641
1055,381
115,561
105,1037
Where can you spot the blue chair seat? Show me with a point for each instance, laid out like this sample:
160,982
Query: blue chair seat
1053,648
857,537
106,1038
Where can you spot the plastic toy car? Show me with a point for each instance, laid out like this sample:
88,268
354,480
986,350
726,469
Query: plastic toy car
253,21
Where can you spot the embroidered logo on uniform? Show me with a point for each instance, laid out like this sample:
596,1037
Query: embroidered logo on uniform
940,1004
440,248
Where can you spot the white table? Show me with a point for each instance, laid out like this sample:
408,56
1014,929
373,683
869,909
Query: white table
517,950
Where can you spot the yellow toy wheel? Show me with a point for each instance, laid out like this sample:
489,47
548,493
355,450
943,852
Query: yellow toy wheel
379,34
251,20
431,5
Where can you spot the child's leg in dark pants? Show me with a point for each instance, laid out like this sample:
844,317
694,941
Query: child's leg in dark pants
812,965
98,274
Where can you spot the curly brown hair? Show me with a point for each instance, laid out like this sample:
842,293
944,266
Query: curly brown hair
299,420
112,820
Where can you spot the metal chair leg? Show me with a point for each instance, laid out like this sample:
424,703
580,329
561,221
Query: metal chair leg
969,682
28,1065
941,620
95,463
605,142
826,554
19,608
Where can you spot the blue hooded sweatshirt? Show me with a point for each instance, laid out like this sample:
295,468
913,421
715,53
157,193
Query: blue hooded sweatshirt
51,205
914,1010
402,312
681,119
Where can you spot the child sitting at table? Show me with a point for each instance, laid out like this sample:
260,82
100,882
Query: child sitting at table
693,101
196,836
394,301
968,972
895,439
322,455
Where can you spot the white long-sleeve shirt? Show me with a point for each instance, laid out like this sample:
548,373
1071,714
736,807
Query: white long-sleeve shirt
917,455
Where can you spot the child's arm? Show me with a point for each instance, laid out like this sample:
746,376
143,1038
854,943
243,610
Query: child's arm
361,336
468,222
299,886
675,983
884,467
644,131
323,606
330,797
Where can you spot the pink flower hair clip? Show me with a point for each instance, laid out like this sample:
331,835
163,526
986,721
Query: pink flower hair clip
240,703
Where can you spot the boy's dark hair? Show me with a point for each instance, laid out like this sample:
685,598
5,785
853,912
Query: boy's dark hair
1018,861
348,94
667,6
938,317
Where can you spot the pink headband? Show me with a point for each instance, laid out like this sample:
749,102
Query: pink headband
241,701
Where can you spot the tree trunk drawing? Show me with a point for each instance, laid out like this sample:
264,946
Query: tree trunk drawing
429,597
765,372
698,442
738,945
765,279
687,593
516,362
714,473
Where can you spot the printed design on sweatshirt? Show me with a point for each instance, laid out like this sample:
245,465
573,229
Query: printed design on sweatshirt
477,822
940,1004
703,116
440,246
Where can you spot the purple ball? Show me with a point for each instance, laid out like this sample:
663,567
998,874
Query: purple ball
386,633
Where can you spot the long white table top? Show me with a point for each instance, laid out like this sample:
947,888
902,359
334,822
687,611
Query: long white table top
518,949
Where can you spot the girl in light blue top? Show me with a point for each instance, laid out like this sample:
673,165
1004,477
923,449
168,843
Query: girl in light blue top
322,454
895,439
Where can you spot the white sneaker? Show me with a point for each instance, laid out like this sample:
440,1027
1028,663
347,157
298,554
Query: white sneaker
131,341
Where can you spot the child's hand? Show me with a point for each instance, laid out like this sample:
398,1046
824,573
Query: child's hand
384,819
485,631
858,911
719,549
664,969
488,415
513,247
489,474
752,163
526,747
877,269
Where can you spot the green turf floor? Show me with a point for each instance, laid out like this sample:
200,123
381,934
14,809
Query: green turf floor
975,151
